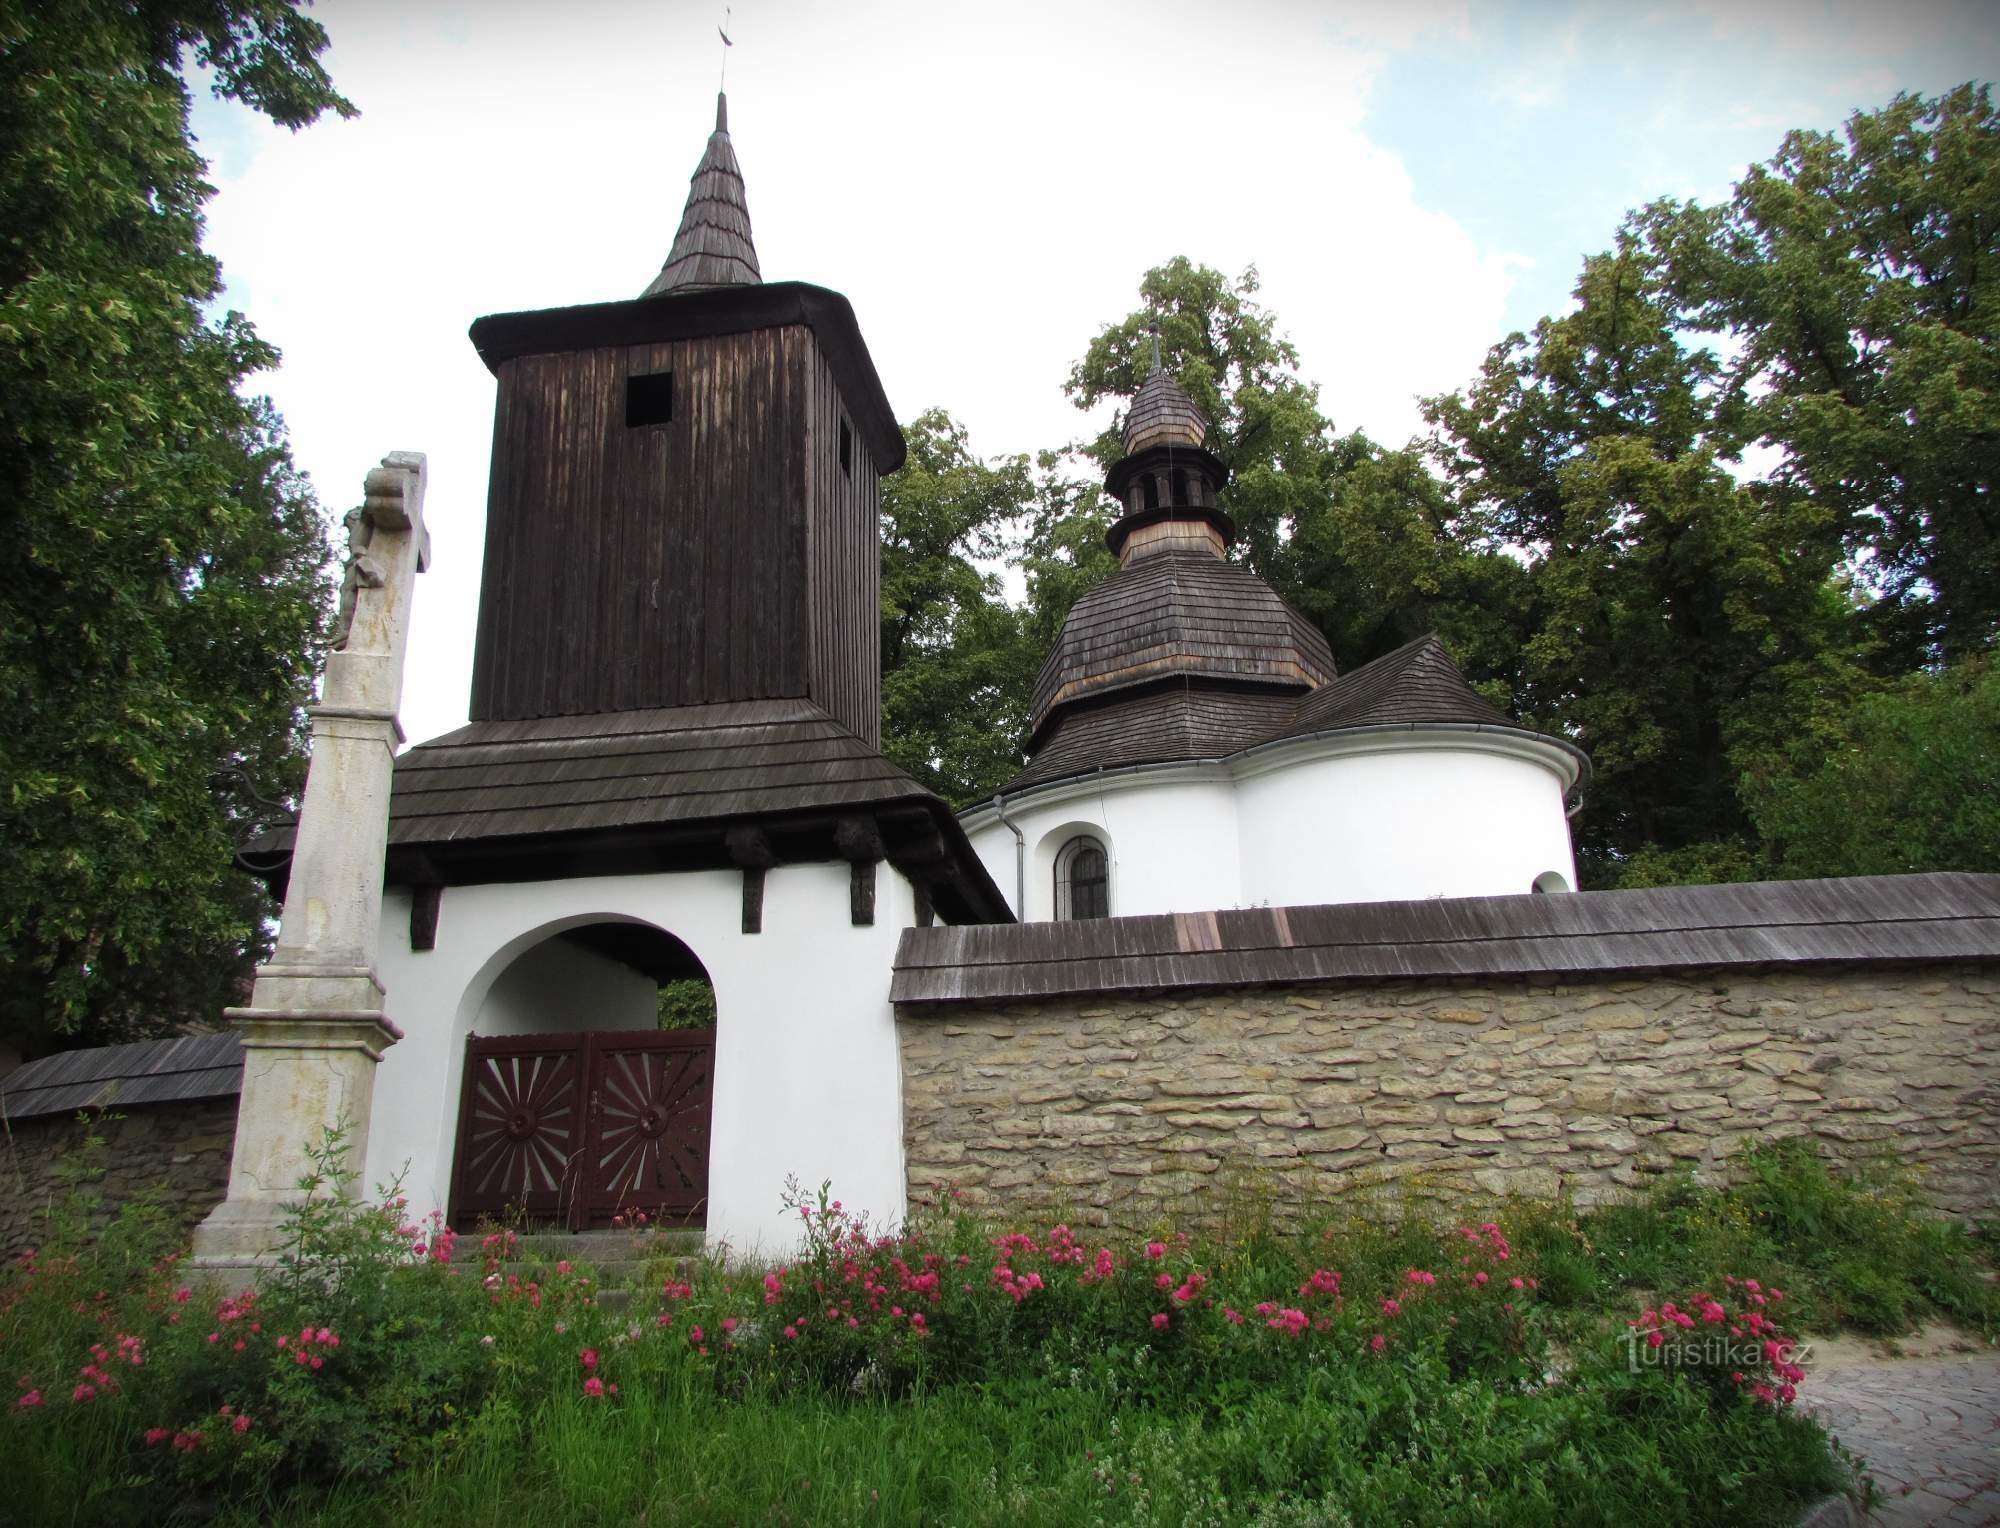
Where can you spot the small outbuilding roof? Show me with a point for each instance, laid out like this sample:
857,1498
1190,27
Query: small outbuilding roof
107,1076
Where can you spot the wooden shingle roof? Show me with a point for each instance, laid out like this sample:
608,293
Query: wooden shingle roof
1198,714
1180,613
627,791
1417,682
623,769
122,1076
712,247
1175,723
1873,919
1162,415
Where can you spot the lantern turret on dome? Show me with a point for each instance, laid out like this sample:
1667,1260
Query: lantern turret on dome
1180,651
1169,483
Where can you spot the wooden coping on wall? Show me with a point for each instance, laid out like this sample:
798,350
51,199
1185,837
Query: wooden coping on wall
1873,919
108,1076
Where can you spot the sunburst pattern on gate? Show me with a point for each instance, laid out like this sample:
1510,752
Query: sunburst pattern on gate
521,1130
651,1135
577,1128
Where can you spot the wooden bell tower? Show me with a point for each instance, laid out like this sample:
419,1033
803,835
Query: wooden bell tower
683,499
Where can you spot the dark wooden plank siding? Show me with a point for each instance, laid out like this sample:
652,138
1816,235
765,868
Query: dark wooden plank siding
845,561
658,566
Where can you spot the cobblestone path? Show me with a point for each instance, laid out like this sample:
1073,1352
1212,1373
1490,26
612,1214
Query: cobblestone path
1929,1429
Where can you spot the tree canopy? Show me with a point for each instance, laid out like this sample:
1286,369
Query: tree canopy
1858,277
161,606
956,665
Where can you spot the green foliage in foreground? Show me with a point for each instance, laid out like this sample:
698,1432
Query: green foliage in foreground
1854,1249
957,1372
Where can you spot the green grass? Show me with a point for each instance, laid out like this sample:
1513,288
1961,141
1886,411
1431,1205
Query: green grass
1334,1451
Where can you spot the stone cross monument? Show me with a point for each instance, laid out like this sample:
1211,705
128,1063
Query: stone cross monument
315,1028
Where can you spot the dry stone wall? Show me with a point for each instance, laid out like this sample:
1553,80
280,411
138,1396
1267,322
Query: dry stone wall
177,1152
1117,1107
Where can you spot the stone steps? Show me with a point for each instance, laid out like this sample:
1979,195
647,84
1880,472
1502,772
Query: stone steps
618,1259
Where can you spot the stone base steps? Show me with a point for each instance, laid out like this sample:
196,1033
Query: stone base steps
618,1260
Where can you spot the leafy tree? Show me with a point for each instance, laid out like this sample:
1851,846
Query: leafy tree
1385,558
167,580
1676,622
956,670
1913,785
688,1002
1860,277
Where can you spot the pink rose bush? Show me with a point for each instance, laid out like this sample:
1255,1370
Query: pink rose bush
1730,1343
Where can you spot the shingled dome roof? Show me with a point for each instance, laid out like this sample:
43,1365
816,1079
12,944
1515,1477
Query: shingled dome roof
1416,687
712,247
1180,613
1162,415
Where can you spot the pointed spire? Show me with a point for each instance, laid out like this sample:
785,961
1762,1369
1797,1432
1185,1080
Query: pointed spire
712,247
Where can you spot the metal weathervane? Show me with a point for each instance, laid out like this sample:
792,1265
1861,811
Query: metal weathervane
723,32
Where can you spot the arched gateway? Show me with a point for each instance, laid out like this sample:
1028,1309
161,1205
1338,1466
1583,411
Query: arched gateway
586,1092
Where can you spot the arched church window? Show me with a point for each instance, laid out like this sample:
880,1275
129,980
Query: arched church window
1083,880
1150,487
1180,486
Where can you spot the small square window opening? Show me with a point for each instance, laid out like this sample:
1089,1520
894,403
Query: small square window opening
649,399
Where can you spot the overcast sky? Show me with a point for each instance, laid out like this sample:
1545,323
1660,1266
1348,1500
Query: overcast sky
987,184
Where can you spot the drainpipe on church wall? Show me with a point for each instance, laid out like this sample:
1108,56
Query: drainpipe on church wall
1020,861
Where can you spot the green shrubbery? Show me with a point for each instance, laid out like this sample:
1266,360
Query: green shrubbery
1855,1248
1381,1367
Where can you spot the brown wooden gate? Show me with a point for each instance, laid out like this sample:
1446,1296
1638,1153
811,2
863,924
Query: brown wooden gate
578,1128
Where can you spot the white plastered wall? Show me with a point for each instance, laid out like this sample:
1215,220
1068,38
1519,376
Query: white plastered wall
808,1080
561,986
1171,839
1361,817
1383,818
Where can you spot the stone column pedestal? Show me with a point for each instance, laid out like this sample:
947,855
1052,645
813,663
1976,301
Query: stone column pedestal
316,1027
303,1071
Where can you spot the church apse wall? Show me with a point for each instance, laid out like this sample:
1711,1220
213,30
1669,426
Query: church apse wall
1120,1104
